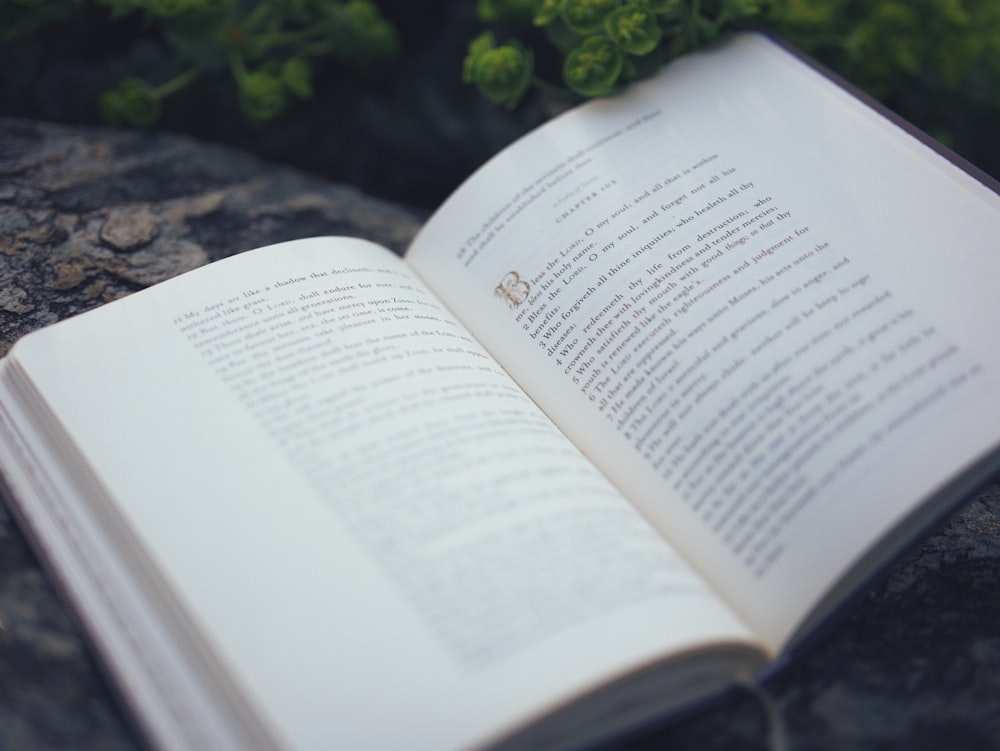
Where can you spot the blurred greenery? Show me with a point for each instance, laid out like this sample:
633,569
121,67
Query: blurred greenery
937,62
307,81
264,45
597,45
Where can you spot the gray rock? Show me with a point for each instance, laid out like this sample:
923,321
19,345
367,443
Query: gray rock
89,215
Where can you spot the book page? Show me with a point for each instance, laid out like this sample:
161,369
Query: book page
763,310
379,535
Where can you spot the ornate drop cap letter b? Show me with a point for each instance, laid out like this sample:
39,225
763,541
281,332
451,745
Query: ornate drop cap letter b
512,289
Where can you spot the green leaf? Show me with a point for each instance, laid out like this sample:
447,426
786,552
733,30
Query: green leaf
660,7
297,77
511,11
635,31
133,103
546,11
369,37
593,68
482,43
262,96
736,9
586,16
502,74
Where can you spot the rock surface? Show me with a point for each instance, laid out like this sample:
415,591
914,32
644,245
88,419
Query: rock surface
89,215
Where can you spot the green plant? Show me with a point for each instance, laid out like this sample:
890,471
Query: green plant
267,47
936,62
599,44
883,45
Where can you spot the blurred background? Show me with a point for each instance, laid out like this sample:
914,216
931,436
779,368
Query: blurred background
370,92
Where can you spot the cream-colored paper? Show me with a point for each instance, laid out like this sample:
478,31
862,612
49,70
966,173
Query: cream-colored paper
743,293
358,511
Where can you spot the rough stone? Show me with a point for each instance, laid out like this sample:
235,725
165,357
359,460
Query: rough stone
88,215
130,228
913,663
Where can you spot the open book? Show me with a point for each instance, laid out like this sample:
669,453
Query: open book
644,401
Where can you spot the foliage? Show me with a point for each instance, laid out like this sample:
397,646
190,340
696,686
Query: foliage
502,74
884,46
602,44
951,45
937,62
265,46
